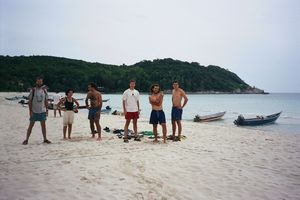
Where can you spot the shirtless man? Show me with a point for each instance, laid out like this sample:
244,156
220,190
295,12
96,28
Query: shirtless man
157,114
93,102
177,95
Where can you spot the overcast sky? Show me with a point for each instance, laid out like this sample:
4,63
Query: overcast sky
259,40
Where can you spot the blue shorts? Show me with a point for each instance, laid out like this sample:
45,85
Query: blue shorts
41,117
93,113
157,116
176,114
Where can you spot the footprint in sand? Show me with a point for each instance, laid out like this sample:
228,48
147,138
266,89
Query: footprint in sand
85,179
139,196
130,166
66,162
141,167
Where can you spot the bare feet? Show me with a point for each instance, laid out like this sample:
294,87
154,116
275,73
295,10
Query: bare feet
93,135
99,138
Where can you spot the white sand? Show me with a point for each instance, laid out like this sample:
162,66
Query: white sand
214,162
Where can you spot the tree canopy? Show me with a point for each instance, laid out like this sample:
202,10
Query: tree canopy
18,73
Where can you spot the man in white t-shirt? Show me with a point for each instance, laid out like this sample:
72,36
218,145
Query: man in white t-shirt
131,109
56,99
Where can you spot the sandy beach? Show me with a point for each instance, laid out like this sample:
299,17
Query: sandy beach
213,162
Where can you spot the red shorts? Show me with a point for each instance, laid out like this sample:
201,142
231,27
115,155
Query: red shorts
132,115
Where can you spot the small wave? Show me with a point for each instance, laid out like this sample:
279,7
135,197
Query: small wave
291,117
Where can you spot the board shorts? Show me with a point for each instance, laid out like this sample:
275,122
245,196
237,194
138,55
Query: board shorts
132,115
41,117
157,116
176,114
68,117
55,107
93,113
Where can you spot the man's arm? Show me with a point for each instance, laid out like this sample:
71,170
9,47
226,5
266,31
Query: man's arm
30,103
46,102
99,97
87,100
185,99
138,104
172,96
124,108
124,103
161,97
138,101
151,101
30,107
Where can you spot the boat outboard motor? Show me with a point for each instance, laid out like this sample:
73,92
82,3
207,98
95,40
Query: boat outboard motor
197,118
239,119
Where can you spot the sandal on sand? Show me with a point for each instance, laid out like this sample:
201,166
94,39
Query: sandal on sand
25,142
47,141
137,138
147,133
153,137
116,131
106,129
126,140
170,137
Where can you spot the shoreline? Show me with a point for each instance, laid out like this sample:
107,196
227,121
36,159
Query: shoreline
213,162
287,123
165,92
84,92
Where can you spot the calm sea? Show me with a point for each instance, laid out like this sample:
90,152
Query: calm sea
233,104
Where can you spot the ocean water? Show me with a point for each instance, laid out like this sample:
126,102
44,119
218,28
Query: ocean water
234,104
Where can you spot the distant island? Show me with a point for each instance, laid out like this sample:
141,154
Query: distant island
18,73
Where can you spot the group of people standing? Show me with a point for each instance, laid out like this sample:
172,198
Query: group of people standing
38,110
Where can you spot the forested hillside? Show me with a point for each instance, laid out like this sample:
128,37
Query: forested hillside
18,74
